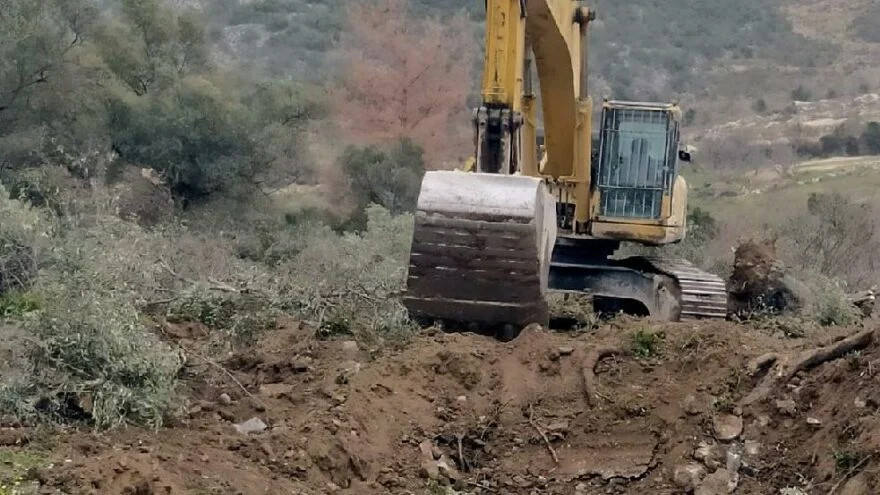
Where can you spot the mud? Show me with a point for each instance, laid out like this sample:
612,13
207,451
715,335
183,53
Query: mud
478,416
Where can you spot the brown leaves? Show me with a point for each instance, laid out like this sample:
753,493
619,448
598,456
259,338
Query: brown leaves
405,77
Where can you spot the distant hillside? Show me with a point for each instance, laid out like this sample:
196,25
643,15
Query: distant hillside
721,59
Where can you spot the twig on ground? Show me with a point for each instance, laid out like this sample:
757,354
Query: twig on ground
761,363
217,285
849,473
588,370
461,460
542,434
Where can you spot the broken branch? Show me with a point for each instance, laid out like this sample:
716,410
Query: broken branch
542,434
786,367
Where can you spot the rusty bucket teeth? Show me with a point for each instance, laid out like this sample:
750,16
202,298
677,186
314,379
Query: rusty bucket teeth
481,249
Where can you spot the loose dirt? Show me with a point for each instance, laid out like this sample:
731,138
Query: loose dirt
466,414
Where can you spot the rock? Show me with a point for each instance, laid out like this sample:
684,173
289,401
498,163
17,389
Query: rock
860,403
276,390
427,450
253,425
225,399
429,470
763,421
787,407
711,455
566,351
753,448
814,422
558,427
734,461
301,365
461,399
717,483
447,468
727,427
858,485
350,346
691,406
688,476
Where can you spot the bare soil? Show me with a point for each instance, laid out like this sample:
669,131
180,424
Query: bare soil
479,416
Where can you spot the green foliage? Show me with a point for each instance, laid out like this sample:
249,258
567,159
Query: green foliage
91,354
845,460
17,304
244,316
17,467
138,80
645,343
867,25
871,138
842,141
23,233
832,232
389,178
759,106
192,134
830,305
350,283
801,94
663,43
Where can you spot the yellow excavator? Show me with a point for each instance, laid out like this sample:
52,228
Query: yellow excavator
528,218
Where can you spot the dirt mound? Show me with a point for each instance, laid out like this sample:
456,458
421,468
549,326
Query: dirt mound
664,414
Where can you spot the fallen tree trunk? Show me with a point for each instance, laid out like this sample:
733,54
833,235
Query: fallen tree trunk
786,366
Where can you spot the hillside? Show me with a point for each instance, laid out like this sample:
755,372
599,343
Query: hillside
688,49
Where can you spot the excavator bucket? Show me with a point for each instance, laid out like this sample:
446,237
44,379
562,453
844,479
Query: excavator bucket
481,250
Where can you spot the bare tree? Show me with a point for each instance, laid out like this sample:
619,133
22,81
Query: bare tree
404,77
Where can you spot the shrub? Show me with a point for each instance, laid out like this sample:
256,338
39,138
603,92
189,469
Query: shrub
350,283
390,178
833,231
17,304
759,106
801,94
871,138
645,343
23,240
91,359
242,316
830,305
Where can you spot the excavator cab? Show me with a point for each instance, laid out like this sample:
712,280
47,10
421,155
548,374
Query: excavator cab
638,160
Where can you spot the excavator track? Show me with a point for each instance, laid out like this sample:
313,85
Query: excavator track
703,295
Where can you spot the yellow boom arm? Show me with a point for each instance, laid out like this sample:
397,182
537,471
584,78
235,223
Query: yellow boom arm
555,31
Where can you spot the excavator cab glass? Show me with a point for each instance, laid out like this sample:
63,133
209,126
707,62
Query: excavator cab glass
637,159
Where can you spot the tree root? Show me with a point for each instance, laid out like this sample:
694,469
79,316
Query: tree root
786,366
542,435
589,370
